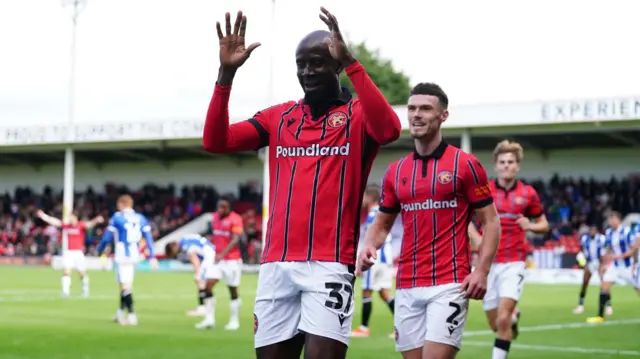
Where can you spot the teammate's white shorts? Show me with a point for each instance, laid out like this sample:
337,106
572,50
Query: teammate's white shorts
379,276
312,297
437,314
125,272
621,275
231,271
74,259
506,280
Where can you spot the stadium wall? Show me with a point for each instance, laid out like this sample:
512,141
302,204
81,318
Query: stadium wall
225,174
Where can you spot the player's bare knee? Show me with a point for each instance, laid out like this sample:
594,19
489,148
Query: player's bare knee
384,295
434,350
606,286
503,325
125,287
366,293
317,347
412,354
288,349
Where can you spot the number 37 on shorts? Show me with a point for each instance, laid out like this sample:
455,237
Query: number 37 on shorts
313,297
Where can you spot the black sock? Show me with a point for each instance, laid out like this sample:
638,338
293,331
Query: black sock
502,344
366,311
582,295
127,298
604,298
201,296
122,303
391,303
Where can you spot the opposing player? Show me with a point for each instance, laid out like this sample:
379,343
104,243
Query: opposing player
321,150
202,255
126,229
380,278
634,253
73,255
437,189
520,211
593,246
619,239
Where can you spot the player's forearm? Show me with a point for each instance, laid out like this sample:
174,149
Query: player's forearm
104,241
149,241
229,247
376,236
489,245
51,220
383,123
540,226
216,126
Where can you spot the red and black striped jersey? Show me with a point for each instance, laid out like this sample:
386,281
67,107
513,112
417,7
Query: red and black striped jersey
318,166
513,203
436,196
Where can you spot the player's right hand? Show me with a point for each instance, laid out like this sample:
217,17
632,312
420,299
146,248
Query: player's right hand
366,259
233,52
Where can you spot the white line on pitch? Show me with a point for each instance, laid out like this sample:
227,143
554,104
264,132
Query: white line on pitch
540,328
92,297
560,349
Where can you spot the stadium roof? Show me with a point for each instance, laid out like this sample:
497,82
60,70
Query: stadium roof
169,152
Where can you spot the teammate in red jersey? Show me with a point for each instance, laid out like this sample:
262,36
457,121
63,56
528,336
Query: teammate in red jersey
437,189
321,152
517,204
73,255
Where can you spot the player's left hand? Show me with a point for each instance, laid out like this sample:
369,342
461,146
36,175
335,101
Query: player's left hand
524,222
337,45
153,263
475,285
218,258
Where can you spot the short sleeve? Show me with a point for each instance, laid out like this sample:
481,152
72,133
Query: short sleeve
237,226
389,202
146,227
476,183
112,225
82,226
534,208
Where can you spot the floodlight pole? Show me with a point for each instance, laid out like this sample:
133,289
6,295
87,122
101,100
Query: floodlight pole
69,162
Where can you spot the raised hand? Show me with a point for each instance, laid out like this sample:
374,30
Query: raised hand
233,52
337,45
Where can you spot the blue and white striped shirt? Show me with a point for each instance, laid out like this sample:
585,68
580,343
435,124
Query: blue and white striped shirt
127,228
384,254
593,247
195,243
619,241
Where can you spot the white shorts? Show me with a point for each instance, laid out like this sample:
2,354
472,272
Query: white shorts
621,275
506,280
74,259
231,272
593,267
209,271
436,314
125,273
312,297
379,276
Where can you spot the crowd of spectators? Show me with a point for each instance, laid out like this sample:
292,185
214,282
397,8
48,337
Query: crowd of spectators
571,206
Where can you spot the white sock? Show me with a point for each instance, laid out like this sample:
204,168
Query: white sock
85,285
499,353
66,284
500,349
210,305
234,310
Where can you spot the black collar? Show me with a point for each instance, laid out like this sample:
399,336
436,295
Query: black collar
515,185
437,153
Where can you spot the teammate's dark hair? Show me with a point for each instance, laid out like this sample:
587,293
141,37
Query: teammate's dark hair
431,89
373,191
615,214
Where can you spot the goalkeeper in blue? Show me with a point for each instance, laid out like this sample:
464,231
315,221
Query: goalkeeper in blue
126,229
202,255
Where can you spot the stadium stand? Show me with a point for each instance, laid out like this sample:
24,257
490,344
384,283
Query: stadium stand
571,205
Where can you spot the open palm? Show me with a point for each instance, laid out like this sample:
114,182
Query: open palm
233,52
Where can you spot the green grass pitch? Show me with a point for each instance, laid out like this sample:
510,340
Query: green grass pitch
35,323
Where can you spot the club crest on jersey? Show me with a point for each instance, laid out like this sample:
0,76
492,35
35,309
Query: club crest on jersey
337,120
518,200
255,323
445,177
